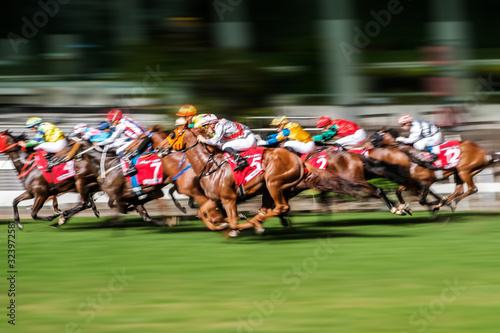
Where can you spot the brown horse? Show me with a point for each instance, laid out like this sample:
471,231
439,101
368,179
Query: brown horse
283,170
179,172
357,168
37,188
107,169
473,159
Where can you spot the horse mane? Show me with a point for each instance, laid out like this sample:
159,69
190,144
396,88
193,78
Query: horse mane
156,128
392,131
21,137
17,138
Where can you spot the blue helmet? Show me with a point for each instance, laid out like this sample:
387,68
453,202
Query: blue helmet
103,125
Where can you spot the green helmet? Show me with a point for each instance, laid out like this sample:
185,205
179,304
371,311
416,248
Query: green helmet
33,121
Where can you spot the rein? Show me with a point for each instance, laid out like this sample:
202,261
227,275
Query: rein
8,147
25,172
218,166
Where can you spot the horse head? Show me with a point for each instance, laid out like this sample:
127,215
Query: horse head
8,141
384,137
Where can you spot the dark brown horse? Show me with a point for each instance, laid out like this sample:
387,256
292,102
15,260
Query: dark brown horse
177,169
473,159
283,170
36,186
107,169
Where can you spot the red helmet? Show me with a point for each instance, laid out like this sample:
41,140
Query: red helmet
323,121
114,114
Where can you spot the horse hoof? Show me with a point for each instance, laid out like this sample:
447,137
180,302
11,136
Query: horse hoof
453,205
19,225
242,216
400,213
61,220
55,225
233,233
409,211
259,231
223,225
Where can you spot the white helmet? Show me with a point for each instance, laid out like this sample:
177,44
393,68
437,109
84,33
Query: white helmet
180,121
407,118
79,128
208,119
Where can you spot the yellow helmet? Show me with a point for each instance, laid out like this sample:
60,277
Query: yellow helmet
180,121
186,110
279,121
197,119
33,121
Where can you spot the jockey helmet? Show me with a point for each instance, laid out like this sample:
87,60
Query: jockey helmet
33,121
186,110
103,125
323,121
208,119
197,119
279,120
180,121
405,119
115,114
79,128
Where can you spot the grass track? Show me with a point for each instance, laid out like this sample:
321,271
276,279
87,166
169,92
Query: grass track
356,272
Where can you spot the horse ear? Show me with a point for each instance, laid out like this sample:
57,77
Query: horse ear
382,129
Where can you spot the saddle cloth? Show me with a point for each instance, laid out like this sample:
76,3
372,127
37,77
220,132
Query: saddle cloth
58,173
254,159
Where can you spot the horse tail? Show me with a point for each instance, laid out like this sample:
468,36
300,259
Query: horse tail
325,181
493,157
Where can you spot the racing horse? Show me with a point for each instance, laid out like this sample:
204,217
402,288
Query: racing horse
179,172
357,168
107,169
473,159
283,170
38,188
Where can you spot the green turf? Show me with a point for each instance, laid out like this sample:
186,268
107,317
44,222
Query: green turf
356,272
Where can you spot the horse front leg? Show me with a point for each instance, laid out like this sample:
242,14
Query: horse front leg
22,197
208,214
403,206
37,205
55,205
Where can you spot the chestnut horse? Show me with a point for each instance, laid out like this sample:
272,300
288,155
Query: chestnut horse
359,169
36,186
283,170
473,159
179,172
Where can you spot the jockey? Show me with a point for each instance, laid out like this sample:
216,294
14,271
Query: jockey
423,134
230,136
126,130
299,140
48,137
349,132
187,111
95,134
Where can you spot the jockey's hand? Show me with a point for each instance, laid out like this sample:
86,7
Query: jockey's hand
95,143
399,139
262,143
22,143
201,139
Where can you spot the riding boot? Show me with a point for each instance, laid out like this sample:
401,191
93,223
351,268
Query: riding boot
50,161
241,163
132,170
339,147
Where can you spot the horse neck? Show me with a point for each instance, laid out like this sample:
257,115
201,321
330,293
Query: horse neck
198,155
18,158
95,157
